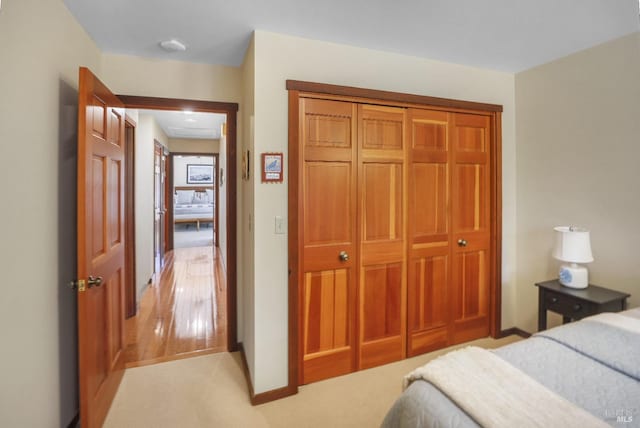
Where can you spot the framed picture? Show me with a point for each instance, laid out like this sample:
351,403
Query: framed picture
272,167
199,174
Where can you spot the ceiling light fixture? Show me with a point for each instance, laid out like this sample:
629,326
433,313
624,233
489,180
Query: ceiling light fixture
173,45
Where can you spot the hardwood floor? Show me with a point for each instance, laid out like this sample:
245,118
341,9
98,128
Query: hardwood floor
183,312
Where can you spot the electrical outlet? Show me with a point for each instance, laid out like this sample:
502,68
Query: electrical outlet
280,225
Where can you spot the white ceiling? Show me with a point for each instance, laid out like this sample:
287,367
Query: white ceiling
507,35
181,124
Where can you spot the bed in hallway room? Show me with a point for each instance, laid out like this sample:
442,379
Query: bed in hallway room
194,205
583,374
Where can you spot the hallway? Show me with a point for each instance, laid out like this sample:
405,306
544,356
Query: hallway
183,312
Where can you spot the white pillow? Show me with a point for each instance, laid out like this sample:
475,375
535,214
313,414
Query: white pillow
210,196
184,196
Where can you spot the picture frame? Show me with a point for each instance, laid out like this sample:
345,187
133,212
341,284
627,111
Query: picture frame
199,174
272,167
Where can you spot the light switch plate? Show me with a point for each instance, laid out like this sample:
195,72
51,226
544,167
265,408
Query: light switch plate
280,225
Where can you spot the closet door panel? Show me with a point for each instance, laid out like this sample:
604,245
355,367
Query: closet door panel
382,309
429,231
471,205
327,304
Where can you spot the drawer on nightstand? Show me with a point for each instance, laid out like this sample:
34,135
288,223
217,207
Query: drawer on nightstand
568,306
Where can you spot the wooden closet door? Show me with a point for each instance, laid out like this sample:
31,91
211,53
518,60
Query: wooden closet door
328,296
471,226
382,259
429,231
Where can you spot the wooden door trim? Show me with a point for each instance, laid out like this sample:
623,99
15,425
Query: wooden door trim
231,110
297,90
130,220
384,97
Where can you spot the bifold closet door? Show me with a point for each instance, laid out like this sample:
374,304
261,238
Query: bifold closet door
382,258
471,226
329,206
429,280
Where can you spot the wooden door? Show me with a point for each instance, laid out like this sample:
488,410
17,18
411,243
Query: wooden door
101,253
382,258
429,248
328,239
471,226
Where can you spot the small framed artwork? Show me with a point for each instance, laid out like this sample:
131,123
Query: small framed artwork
245,164
272,167
199,174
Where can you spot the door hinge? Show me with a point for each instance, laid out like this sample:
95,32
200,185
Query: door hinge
79,284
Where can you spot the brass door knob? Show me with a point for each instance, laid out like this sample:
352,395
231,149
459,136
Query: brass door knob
462,242
94,281
344,256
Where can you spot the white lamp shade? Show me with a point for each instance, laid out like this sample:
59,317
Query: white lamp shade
573,245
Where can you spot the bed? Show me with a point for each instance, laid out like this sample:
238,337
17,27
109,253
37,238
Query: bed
591,367
194,205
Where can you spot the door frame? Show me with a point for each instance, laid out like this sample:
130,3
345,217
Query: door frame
216,187
231,111
298,89
131,304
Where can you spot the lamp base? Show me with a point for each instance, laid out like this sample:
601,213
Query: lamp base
574,276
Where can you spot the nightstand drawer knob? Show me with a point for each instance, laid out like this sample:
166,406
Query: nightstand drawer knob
554,300
577,307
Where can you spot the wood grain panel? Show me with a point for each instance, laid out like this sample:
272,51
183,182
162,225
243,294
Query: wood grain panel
326,311
115,124
326,203
98,113
382,192
429,202
382,134
115,214
382,301
429,135
471,198
98,206
99,324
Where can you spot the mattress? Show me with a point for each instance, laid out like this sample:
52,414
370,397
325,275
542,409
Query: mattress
594,366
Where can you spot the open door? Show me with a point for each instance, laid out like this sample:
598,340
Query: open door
101,252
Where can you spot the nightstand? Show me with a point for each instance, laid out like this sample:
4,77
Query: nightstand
575,304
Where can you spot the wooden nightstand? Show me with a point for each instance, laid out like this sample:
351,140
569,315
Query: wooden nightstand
575,304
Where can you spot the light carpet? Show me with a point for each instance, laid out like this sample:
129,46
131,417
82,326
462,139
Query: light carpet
211,391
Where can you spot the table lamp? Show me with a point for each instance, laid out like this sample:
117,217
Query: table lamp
573,246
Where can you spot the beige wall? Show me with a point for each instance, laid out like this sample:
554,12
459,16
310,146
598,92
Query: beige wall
191,145
279,57
147,131
41,48
578,122
131,75
246,294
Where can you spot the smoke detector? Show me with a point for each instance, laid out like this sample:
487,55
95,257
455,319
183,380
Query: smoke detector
173,45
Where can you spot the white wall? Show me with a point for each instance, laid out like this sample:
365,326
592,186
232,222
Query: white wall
278,58
578,121
147,131
41,48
